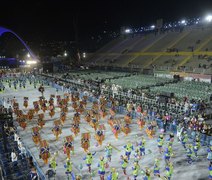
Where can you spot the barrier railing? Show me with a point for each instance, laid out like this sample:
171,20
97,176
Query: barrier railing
39,171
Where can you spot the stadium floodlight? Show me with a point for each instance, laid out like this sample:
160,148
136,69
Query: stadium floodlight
208,18
127,31
152,26
183,21
31,62
28,55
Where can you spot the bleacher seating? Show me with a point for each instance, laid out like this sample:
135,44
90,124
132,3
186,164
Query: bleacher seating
19,169
130,50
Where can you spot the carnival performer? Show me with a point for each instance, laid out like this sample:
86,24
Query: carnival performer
53,164
150,130
41,121
69,166
57,129
184,139
169,171
44,151
167,155
68,146
94,123
189,153
85,141
126,129
113,175
102,164
147,175
125,164
142,146
108,150
36,135
89,160
75,128
141,123
62,117
156,169
128,149
160,143
135,169
137,155
128,119
196,146
170,139
99,136
116,130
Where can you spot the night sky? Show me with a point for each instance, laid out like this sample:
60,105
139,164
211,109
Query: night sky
53,19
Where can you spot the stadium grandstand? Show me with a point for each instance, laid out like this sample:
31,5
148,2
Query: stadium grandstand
176,49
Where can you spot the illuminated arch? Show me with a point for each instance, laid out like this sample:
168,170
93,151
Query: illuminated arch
4,30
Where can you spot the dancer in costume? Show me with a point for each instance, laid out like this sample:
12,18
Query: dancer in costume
160,143
108,150
124,164
135,169
113,175
156,169
89,160
128,149
102,164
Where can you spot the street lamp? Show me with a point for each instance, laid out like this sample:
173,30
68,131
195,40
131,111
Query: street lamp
208,18
65,54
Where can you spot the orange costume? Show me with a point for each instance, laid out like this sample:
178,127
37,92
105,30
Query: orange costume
62,117
57,129
26,99
100,136
41,121
116,129
36,106
68,146
36,135
141,123
126,129
76,118
88,117
75,128
22,122
94,123
85,141
44,151
128,119
30,114
150,130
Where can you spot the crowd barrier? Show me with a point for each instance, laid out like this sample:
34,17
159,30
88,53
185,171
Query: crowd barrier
39,171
